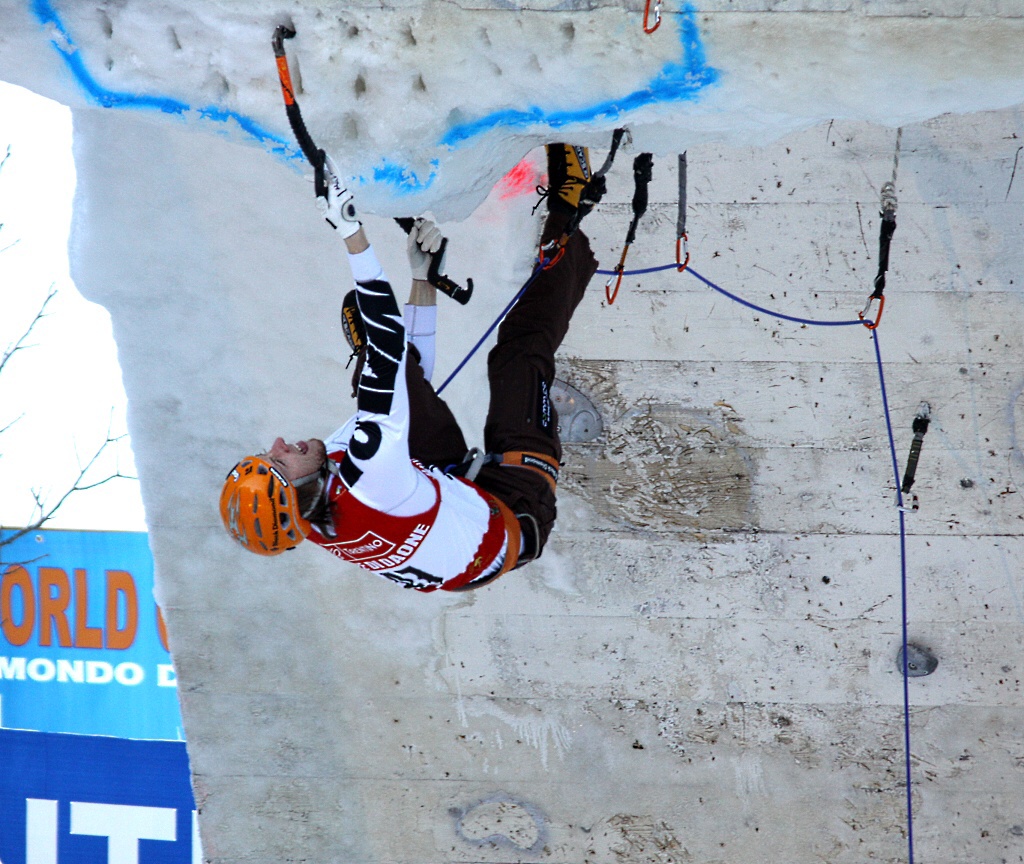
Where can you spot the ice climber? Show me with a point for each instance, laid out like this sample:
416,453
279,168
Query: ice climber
392,490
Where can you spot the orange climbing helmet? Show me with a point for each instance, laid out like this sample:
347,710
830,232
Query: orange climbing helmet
260,508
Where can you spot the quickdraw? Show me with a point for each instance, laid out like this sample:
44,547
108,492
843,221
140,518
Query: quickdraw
886,230
682,241
657,16
643,167
919,428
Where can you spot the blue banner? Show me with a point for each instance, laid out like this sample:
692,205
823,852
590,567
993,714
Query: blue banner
76,799
82,644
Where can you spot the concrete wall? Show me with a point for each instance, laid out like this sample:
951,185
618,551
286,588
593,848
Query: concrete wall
703,666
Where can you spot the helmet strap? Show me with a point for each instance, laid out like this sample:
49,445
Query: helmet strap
313,501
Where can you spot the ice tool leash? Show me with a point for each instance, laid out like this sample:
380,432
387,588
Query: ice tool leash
886,230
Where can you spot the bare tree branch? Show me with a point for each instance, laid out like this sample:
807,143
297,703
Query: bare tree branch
43,513
20,345
9,425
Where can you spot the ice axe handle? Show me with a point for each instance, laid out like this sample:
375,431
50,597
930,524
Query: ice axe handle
434,276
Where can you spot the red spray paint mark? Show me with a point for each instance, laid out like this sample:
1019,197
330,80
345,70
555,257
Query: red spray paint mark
521,180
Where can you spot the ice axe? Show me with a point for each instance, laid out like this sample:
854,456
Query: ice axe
434,276
315,156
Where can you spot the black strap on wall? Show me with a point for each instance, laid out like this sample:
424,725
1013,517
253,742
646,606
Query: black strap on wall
920,427
681,218
643,171
887,229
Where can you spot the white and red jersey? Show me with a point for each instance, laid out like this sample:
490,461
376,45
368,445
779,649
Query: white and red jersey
389,514
458,539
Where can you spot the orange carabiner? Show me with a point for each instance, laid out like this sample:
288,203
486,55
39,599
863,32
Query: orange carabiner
657,16
609,293
547,264
871,325
682,244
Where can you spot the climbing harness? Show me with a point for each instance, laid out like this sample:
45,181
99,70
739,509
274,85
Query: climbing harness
317,158
657,16
886,230
643,167
551,253
540,463
919,428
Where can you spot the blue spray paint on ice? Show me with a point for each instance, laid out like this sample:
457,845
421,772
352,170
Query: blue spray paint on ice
402,179
65,45
678,81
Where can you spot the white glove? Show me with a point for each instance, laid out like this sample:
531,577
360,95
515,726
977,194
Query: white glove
338,208
424,240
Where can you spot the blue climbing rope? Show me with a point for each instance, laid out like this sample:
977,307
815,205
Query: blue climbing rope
872,328
903,595
537,270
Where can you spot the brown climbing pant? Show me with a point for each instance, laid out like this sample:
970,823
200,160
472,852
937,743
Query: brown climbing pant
520,371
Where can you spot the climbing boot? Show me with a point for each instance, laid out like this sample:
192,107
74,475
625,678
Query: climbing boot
571,185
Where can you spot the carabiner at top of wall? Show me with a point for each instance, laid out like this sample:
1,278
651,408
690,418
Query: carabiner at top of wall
871,325
657,16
